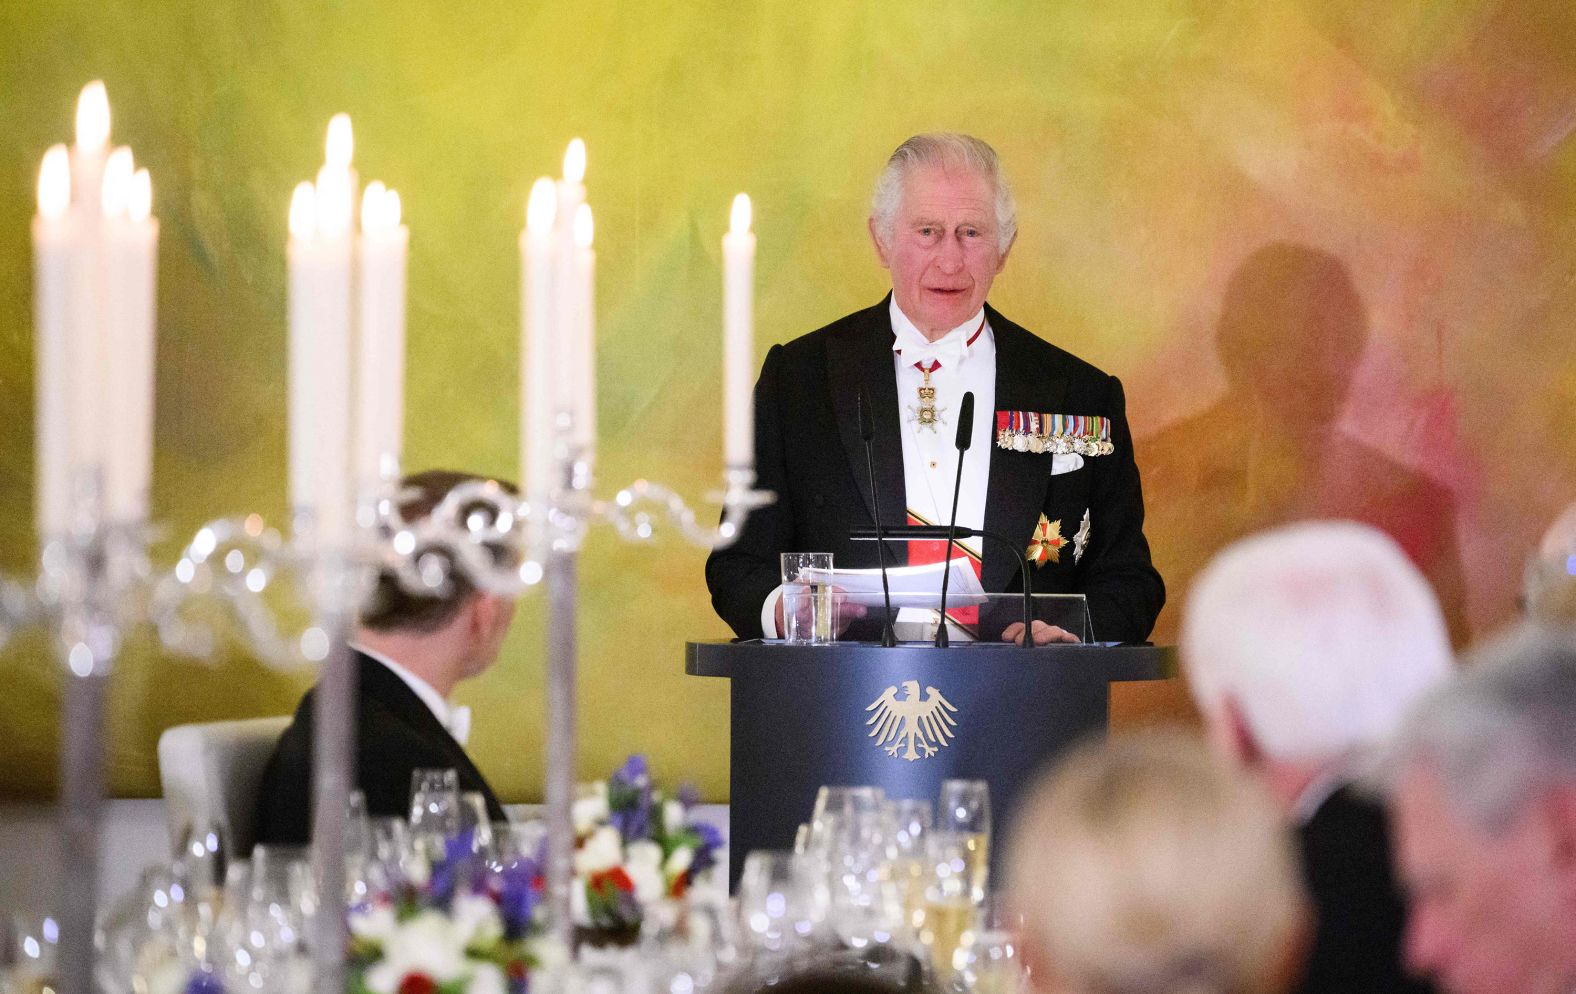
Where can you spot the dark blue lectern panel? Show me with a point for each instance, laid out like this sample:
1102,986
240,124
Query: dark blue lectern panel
801,718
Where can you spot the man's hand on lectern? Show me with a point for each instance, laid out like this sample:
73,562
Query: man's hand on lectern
847,611
1043,634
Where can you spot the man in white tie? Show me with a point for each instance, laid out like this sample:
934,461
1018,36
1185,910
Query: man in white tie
411,652
1049,468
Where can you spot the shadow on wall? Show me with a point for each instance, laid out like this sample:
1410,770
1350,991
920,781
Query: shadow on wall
1272,450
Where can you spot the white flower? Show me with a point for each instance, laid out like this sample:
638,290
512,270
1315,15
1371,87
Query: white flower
375,924
590,811
644,853
549,953
672,817
487,979
647,878
428,944
476,920
579,904
679,861
602,851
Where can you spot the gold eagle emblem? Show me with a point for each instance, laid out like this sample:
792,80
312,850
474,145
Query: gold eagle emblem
915,726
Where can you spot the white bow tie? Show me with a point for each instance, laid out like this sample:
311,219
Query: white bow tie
459,724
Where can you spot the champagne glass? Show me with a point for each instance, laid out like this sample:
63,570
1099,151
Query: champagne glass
964,810
905,852
947,910
988,959
832,802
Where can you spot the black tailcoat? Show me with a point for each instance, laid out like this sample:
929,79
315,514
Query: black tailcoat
1346,865
396,734
809,452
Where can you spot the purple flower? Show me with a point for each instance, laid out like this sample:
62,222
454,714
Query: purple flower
629,799
519,893
203,982
635,772
706,852
688,796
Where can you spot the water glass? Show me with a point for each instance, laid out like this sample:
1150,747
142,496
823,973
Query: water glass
963,809
434,807
781,902
809,609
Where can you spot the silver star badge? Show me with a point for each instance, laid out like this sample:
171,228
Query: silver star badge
1081,540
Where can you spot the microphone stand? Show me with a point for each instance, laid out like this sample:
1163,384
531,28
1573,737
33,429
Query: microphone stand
867,431
964,437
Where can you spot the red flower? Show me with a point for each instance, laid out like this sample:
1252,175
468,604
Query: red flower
417,983
680,885
516,970
615,877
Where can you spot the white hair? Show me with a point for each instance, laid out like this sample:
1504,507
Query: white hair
942,148
1323,633
1141,864
1502,733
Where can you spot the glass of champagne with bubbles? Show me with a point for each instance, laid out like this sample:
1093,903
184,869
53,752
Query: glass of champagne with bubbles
963,810
947,910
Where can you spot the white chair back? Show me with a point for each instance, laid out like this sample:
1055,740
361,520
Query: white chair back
211,774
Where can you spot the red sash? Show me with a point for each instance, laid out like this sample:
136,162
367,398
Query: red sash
922,552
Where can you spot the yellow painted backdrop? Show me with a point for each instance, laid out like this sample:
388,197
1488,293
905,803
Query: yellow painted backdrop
1416,150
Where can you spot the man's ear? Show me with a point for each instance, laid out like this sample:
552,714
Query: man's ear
1561,809
875,239
481,614
1002,262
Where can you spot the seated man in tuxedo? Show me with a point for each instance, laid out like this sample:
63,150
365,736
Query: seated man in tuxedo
1050,466
410,653
1482,779
1304,647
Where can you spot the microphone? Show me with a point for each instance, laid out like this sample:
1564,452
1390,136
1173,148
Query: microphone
964,438
867,432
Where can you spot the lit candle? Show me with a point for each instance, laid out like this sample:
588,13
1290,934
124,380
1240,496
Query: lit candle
380,376
571,194
738,350
131,238
582,342
52,248
536,352
85,348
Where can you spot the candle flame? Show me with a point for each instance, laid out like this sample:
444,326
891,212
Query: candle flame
93,117
54,183
139,202
584,228
542,208
391,213
303,211
372,207
575,161
117,182
739,219
341,142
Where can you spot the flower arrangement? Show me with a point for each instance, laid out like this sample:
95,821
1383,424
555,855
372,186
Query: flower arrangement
466,928
634,845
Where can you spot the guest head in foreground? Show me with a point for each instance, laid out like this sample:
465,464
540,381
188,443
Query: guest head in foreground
943,221
1548,591
1304,647
1483,783
1143,865
411,650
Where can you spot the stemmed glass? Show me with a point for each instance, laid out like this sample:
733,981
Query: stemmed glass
947,909
781,902
434,809
963,810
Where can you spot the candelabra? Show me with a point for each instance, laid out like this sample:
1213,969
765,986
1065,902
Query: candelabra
96,584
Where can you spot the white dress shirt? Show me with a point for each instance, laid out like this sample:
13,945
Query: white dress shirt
930,458
456,719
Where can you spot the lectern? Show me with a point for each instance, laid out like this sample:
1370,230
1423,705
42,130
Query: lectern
903,719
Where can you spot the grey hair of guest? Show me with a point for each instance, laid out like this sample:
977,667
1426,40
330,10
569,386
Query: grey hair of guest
1502,733
948,149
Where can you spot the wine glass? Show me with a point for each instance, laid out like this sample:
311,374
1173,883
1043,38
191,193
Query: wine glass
988,959
905,852
947,909
963,810
434,809
781,898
